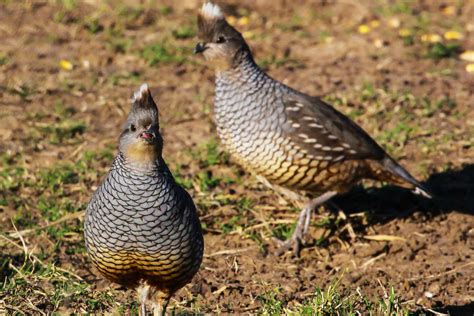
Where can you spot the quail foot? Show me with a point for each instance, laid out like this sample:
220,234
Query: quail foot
295,143
141,228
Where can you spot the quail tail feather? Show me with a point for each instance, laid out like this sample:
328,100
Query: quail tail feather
400,172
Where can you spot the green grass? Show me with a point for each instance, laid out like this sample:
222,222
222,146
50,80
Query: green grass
67,4
93,25
3,59
31,285
207,181
119,45
61,132
209,154
181,178
275,61
129,13
159,53
126,78
443,50
49,212
184,32
403,7
332,301
283,231
24,91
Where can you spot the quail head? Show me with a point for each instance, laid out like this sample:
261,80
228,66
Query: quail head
295,143
141,228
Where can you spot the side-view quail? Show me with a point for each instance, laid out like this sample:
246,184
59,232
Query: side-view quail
295,143
141,228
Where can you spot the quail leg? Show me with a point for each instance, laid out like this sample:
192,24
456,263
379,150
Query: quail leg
302,225
142,308
159,308
142,297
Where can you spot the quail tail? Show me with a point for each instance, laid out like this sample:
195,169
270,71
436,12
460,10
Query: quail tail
389,170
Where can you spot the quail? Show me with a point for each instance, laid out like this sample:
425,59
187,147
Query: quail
294,143
141,228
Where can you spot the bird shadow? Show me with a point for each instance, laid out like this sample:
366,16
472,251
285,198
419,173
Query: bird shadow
467,309
453,190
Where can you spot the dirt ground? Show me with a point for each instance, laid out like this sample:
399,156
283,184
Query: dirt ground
68,69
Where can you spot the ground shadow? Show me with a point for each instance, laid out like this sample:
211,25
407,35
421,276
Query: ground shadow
467,309
453,190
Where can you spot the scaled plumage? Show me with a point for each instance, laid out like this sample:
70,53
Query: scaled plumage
141,228
295,143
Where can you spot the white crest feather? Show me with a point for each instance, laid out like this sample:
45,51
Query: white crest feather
211,11
138,95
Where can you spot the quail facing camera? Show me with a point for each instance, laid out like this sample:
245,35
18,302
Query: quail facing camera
295,143
141,228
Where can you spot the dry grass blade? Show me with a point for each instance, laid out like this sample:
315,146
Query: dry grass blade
435,276
18,234
276,222
220,290
436,313
35,258
229,252
372,260
384,238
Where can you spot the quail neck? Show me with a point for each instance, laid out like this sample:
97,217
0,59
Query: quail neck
150,167
247,88
145,162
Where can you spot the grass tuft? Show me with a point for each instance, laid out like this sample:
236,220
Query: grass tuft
159,53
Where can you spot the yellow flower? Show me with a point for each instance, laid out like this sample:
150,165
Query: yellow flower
470,68
363,29
231,20
66,65
404,32
453,35
329,39
243,20
449,10
248,34
374,24
467,56
431,38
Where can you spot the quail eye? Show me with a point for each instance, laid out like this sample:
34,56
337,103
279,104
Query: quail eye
132,128
220,40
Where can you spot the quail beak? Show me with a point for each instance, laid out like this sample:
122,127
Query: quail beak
148,136
200,47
